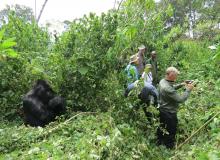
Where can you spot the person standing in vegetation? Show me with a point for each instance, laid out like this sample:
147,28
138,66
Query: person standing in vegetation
169,103
148,91
148,79
132,74
153,61
141,62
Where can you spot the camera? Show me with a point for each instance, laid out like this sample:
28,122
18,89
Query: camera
194,83
189,81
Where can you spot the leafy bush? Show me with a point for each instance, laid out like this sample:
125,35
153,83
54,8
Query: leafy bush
10,64
29,36
86,45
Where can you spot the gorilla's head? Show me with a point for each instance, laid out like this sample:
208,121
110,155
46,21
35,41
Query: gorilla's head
43,91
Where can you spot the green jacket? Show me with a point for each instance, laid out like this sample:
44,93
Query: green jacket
169,98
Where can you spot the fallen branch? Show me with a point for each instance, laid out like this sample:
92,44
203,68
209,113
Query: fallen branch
65,123
43,135
194,133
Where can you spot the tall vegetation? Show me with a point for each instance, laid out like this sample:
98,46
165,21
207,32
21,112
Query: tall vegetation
86,66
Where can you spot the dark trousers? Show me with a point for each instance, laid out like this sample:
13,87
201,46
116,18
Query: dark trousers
145,98
168,123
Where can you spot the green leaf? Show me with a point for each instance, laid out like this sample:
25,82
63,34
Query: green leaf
169,10
213,156
83,70
2,34
131,32
216,57
203,156
12,53
149,4
8,43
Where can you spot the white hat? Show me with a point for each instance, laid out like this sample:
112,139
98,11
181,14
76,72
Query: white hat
153,52
141,47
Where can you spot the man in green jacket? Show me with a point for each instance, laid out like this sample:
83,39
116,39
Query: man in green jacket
169,104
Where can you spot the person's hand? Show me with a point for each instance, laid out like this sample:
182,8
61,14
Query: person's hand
189,86
183,83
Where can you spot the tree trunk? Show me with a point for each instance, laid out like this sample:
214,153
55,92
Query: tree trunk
41,11
190,20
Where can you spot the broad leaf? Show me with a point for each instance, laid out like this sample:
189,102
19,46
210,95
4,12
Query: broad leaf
83,70
8,43
149,4
2,34
11,53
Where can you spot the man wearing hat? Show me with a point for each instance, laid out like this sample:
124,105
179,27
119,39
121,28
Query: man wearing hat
169,104
132,74
141,56
153,61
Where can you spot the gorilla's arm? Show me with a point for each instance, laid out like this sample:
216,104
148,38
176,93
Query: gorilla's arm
57,105
35,108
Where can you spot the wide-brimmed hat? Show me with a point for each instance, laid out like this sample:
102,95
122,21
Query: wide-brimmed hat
141,47
134,58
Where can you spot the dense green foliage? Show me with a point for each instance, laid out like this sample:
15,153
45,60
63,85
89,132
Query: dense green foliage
85,48
85,66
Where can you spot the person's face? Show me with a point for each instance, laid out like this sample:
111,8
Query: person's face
147,70
136,62
143,51
172,76
154,55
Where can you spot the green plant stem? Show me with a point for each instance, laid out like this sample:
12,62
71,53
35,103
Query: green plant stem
194,133
65,122
45,134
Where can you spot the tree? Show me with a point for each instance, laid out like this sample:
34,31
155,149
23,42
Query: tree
210,10
23,12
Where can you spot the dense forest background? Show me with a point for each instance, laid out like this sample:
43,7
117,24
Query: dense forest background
85,65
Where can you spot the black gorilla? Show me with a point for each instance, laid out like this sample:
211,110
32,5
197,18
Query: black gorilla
41,105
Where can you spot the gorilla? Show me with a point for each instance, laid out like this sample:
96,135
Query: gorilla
41,105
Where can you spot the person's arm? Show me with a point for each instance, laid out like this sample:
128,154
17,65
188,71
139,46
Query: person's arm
172,94
154,93
148,61
178,86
